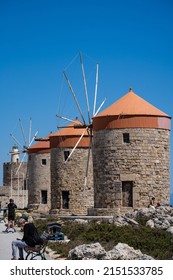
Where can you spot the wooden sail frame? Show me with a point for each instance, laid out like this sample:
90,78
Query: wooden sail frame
87,125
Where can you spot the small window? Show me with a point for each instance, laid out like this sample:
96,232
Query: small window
44,197
66,155
29,157
24,185
126,138
65,199
43,161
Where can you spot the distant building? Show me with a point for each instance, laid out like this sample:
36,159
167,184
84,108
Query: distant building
14,181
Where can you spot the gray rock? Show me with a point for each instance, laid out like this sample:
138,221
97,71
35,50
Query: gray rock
170,229
119,220
150,223
123,251
96,252
87,252
122,220
80,221
161,223
131,221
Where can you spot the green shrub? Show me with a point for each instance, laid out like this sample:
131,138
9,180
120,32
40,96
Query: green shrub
154,242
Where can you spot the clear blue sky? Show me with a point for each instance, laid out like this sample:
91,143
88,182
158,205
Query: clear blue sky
132,41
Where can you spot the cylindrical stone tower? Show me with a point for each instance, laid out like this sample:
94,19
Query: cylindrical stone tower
69,193
131,155
39,176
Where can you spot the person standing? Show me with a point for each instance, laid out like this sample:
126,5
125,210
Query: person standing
11,215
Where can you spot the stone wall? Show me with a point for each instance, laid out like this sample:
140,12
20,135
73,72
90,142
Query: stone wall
14,184
69,177
20,196
145,162
39,181
9,173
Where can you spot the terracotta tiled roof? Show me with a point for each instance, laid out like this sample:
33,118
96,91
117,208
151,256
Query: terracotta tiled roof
131,104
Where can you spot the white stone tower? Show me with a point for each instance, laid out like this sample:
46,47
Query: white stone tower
15,154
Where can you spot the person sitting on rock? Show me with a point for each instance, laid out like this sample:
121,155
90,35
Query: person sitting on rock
152,201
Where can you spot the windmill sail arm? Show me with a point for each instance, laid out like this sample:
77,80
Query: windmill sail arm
41,139
76,144
96,86
100,107
22,132
74,96
67,119
88,159
33,139
30,129
17,142
16,153
17,171
85,87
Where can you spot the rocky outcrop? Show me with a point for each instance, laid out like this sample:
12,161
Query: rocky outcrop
124,252
96,252
87,252
122,220
161,217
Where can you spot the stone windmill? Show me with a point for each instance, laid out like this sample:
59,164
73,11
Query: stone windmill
71,157
131,155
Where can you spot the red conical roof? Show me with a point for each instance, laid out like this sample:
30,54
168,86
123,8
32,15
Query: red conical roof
131,104
73,129
131,111
69,136
41,146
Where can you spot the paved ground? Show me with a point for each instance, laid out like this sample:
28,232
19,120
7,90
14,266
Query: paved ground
5,241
